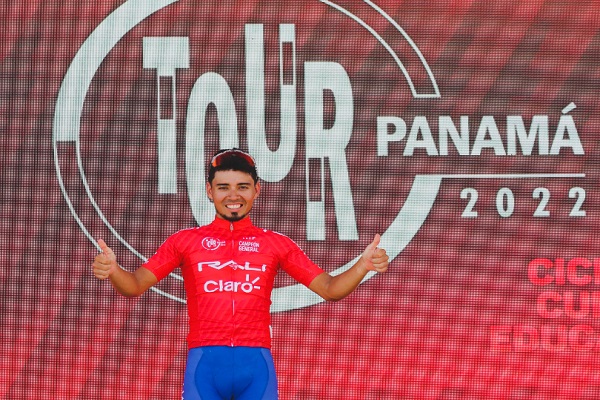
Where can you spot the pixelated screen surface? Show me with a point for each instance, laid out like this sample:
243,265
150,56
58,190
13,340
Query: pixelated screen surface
465,133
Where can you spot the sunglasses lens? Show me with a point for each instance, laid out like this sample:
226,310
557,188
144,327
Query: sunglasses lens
226,155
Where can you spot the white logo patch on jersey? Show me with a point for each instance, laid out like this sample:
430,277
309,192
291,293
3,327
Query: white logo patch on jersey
212,244
249,246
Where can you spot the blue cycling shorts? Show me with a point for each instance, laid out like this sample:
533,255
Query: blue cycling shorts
229,373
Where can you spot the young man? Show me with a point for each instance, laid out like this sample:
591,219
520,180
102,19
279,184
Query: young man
228,268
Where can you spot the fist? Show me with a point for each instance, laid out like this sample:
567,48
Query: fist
105,263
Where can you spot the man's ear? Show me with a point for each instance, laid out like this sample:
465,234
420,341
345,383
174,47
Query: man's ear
209,191
257,187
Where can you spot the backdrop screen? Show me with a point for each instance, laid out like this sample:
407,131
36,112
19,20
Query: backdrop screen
464,132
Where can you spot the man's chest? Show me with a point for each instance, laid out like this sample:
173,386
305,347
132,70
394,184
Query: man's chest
221,264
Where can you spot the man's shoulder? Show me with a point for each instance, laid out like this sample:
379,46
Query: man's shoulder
277,238
185,234
265,231
188,231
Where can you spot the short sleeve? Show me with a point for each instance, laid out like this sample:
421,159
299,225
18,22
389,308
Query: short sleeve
297,264
165,260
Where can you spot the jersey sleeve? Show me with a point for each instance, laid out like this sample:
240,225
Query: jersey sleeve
297,264
165,260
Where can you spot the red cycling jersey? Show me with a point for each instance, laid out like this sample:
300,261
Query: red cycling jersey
228,270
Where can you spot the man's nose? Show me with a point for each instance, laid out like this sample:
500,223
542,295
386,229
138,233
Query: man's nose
233,194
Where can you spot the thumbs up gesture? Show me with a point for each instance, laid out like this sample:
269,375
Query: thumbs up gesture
375,259
105,263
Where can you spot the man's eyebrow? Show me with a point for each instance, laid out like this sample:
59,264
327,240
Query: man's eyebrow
249,183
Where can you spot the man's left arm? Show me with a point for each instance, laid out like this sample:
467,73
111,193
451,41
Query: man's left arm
334,288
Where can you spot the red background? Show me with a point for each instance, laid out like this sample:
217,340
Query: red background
423,330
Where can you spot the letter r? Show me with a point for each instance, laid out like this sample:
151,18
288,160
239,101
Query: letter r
329,143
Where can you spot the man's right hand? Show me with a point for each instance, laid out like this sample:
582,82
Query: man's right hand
105,263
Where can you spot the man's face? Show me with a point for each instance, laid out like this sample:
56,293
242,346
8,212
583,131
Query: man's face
233,193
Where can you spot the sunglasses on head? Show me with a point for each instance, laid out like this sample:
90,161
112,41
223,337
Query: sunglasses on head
218,159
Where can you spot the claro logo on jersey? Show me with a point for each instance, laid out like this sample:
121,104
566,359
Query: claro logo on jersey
324,144
247,286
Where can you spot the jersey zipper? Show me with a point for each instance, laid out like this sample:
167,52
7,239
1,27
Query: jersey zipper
232,276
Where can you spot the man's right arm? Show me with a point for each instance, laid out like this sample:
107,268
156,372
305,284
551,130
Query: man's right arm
129,284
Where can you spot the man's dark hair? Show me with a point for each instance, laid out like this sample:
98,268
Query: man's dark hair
232,160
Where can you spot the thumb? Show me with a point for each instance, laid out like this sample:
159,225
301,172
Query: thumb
373,245
369,251
104,247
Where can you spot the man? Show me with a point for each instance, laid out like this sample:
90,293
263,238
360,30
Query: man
228,269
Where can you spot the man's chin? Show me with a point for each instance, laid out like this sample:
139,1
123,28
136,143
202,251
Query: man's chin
234,217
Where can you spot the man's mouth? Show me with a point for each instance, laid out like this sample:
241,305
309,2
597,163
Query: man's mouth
236,206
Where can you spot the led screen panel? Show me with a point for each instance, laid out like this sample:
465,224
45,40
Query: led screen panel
464,133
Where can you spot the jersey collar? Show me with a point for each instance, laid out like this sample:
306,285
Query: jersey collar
237,225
